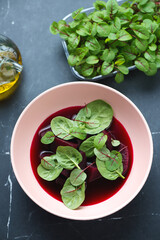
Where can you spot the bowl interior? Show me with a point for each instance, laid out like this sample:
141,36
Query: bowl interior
74,94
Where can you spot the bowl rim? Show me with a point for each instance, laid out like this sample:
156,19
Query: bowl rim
75,217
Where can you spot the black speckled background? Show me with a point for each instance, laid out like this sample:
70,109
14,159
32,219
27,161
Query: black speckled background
27,23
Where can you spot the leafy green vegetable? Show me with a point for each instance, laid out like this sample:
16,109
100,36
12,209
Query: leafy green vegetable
68,157
115,142
112,36
61,127
77,177
73,196
100,140
48,138
87,126
49,169
101,117
110,175
88,146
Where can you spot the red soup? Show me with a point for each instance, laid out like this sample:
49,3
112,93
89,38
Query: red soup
98,188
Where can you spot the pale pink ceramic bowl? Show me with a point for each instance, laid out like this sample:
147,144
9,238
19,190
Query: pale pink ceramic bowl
72,94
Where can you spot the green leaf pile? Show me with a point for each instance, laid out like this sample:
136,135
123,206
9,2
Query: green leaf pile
88,126
112,38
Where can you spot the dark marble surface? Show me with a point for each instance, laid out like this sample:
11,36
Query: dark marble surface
27,23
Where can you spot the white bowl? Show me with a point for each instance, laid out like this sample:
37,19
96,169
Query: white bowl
75,94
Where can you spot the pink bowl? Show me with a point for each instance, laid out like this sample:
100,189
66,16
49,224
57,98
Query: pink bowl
73,94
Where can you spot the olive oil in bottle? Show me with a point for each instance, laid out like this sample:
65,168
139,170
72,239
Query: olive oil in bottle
10,67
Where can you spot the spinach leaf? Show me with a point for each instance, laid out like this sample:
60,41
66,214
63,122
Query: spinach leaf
68,157
51,171
110,175
48,138
101,112
102,154
100,140
114,161
72,196
77,177
87,146
111,36
61,127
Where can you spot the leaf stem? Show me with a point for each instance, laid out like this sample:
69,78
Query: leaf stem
120,174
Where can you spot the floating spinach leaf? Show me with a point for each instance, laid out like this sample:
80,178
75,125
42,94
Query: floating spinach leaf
115,143
78,133
77,177
72,196
100,140
49,162
87,146
48,138
114,161
101,112
61,127
108,174
49,173
102,154
68,157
